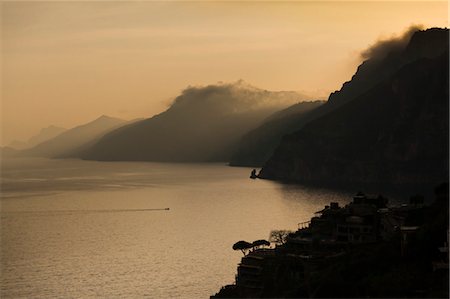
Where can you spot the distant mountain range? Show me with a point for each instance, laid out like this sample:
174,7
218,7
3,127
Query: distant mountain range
70,142
389,124
7,151
43,135
203,124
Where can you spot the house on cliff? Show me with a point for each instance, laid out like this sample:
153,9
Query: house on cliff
335,227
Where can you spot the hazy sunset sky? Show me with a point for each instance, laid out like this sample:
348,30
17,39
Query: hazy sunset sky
66,63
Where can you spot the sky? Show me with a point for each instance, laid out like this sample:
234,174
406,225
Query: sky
66,63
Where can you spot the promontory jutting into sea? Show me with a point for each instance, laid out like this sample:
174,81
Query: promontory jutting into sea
149,180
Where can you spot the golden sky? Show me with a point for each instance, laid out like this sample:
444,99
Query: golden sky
66,63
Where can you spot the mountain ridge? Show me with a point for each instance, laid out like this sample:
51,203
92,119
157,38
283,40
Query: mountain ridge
395,132
203,124
44,134
68,141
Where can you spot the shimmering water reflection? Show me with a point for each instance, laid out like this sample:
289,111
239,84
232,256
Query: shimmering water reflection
88,229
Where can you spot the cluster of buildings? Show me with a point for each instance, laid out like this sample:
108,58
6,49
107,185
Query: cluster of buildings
332,232
367,219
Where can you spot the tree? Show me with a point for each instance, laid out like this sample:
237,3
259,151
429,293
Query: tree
242,246
259,243
279,236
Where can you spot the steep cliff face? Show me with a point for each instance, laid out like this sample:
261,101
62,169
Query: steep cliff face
258,145
429,43
395,132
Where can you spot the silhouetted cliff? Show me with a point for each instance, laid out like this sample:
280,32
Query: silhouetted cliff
388,125
379,67
258,145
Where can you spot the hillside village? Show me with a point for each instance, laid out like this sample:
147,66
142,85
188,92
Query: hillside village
331,255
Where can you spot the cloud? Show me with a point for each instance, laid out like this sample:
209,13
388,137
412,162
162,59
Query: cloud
394,43
230,98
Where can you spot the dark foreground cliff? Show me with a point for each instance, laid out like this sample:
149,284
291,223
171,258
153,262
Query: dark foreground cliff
356,251
258,145
395,132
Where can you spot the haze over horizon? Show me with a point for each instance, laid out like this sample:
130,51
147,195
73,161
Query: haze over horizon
67,63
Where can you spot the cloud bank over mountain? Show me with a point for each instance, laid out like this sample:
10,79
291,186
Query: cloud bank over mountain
388,125
395,43
231,98
204,123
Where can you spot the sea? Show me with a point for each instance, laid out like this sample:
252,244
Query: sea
85,229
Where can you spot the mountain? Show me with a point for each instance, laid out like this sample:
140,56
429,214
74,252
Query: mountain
203,124
394,131
384,59
69,142
44,135
7,152
258,145
381,65
17,145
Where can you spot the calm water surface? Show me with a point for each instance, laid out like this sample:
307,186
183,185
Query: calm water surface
85,229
